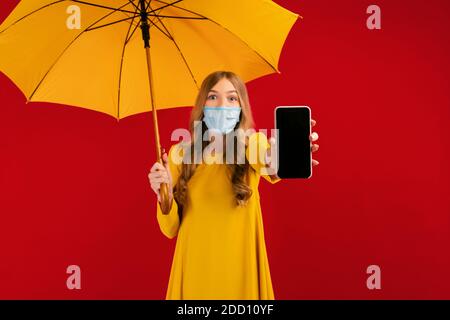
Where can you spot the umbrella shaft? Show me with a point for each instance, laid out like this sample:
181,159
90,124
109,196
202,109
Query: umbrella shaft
144,24
152,98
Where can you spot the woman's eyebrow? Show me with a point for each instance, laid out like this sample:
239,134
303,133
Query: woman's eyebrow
227,91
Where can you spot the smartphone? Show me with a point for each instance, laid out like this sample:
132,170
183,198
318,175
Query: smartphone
293,124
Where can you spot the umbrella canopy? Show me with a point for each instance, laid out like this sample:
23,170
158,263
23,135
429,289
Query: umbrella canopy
102,66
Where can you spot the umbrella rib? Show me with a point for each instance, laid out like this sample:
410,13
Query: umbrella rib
111,23
273,67
121,64
160,8
65,50
153,15
148,4
178,7
181,53
100,6
29,14
132,33
59,1
176,17
134,5
150,13
167,35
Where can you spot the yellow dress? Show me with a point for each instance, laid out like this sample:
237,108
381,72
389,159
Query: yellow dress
220,251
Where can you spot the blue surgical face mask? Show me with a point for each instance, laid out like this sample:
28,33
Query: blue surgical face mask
223,119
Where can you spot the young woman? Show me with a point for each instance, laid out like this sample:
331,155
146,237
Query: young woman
215,210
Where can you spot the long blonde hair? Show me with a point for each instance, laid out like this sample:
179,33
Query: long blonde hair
238,172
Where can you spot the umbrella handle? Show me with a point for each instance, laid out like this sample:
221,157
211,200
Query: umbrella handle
165,201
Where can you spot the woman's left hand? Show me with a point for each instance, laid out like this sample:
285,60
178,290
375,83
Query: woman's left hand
314,147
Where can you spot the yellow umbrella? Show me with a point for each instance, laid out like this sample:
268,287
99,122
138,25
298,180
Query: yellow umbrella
100,64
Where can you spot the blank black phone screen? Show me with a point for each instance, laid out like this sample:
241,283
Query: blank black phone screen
294,149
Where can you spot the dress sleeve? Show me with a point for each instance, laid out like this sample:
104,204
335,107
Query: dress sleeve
256,141
170,223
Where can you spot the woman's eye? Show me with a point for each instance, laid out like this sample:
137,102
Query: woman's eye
235,99
213,95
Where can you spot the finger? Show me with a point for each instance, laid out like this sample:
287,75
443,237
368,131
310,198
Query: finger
159,180
160,166
160,172
313,122
157,167
314,147
156,184
314,136
157,175
315,162
154,174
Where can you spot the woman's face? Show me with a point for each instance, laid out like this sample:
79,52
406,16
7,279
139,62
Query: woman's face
223,94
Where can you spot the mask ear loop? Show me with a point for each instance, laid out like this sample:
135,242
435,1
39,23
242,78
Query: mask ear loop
241,113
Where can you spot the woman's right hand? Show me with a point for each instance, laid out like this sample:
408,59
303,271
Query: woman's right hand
161,174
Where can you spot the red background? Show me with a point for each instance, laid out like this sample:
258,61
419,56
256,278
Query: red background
74,186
